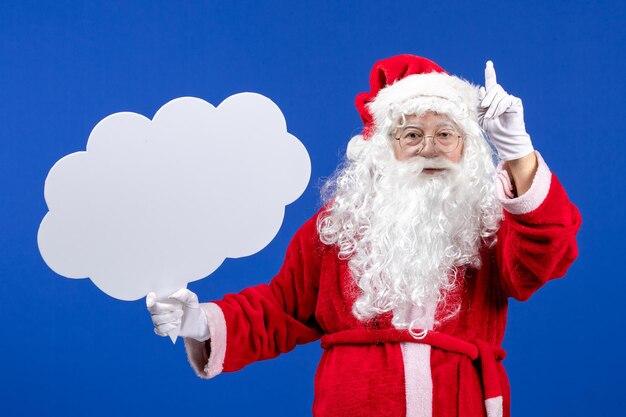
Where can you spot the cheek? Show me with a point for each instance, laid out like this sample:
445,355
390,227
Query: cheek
456,155
397,151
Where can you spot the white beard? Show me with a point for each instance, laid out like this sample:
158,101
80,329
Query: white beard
405,232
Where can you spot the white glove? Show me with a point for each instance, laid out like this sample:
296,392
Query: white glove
501,115
180,310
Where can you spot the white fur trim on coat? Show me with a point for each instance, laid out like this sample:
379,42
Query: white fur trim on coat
493,406
418,380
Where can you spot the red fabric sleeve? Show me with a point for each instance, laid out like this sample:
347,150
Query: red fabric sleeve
537,246
268,319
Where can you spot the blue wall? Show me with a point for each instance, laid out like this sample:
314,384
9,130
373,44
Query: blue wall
68,349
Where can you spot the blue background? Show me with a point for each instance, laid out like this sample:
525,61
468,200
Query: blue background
68,349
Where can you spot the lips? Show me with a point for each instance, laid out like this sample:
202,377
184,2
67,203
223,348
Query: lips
432,170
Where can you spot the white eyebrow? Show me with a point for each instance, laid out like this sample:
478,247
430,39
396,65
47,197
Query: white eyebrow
407,126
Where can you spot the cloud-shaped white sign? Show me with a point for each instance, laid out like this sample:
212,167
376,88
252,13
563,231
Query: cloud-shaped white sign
152,205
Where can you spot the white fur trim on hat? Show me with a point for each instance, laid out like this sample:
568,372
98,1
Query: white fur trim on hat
434,84
356,146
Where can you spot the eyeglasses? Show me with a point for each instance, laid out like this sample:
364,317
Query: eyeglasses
413,140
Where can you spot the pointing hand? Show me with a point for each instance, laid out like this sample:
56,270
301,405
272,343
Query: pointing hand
501,115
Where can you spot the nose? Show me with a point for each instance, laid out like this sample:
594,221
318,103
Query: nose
430,149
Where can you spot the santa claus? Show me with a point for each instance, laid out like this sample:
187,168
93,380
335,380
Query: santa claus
405,272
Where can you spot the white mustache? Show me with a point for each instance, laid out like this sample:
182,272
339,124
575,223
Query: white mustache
418,164
439,164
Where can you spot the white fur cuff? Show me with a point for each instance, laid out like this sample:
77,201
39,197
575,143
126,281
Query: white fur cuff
532,198
207,366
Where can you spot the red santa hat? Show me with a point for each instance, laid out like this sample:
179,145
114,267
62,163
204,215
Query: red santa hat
398,80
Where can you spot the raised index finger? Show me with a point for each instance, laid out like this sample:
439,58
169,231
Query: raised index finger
490,76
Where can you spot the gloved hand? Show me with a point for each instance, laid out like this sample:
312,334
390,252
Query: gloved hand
501,115
181,310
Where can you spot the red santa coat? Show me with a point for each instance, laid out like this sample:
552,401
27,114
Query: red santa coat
372,369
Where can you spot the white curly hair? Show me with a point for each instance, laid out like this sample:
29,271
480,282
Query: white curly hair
405,235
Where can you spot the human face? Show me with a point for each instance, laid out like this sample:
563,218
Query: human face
428,124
